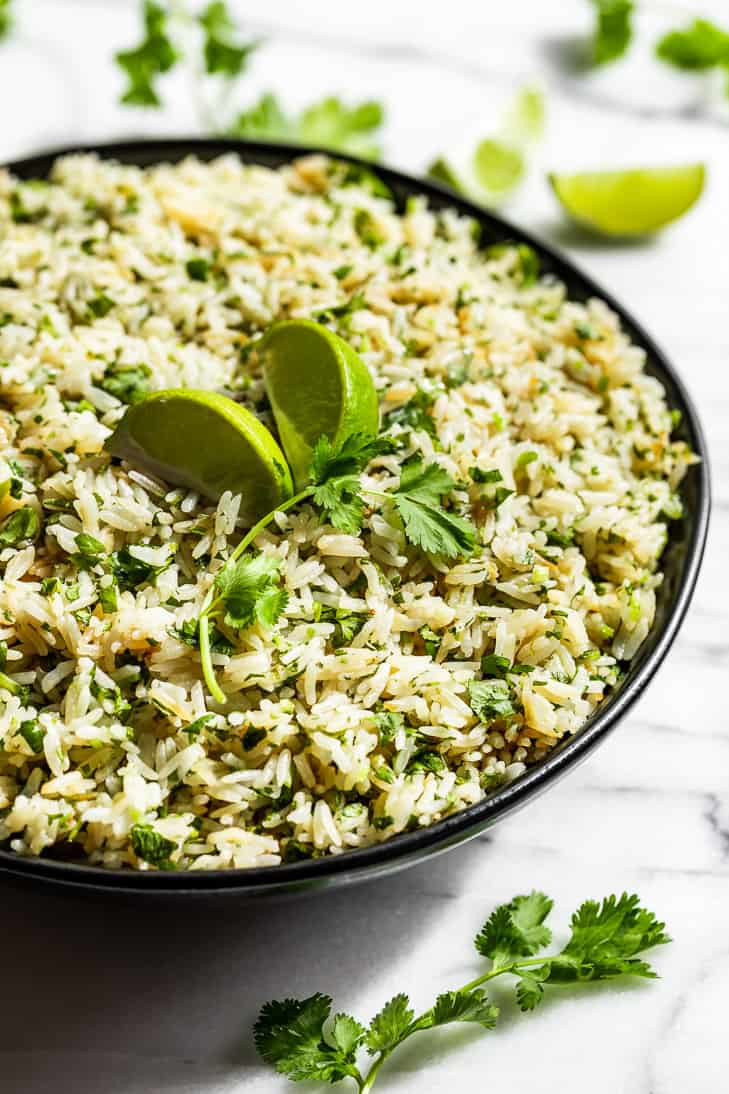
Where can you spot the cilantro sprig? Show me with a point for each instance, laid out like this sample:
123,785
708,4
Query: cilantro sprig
248,589
299,1038
208,41
155,55
613,29
326,123
168,31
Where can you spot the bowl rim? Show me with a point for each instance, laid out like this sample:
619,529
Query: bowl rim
406,847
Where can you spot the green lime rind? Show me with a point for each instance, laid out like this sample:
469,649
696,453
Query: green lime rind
633,202
207,443
318,386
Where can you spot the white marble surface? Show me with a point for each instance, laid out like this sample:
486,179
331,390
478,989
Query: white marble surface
135,999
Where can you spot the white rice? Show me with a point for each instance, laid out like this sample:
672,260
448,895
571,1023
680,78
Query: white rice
477,364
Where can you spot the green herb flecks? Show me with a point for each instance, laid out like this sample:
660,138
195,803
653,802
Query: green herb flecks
129,385
149,845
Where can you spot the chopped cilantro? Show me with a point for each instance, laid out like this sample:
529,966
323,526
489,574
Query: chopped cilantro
100,306
22,524
127,384
32,733
197,268
490,699
151,846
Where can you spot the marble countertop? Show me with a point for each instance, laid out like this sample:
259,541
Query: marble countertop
149,999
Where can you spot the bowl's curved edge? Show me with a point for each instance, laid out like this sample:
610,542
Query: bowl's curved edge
409,848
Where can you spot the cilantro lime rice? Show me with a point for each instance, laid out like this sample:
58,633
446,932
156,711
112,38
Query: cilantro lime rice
391,686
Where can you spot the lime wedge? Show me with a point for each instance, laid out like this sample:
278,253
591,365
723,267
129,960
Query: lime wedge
208,443
498,165
318,386
631,202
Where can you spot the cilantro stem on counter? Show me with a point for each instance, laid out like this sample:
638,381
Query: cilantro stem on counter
299,1038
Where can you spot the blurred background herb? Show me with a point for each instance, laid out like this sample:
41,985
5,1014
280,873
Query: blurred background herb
208,43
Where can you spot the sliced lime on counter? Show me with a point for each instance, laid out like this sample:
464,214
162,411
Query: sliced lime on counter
630,202
318,386
208,443
498,165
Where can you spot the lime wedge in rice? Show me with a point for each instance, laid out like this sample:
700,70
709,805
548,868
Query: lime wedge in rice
318,386
629,202
208,443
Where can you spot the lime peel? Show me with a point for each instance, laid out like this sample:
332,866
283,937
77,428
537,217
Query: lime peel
206,442
318,387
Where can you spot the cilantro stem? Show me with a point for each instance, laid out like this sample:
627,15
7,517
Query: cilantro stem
206,660
209,603
512,967
415,1026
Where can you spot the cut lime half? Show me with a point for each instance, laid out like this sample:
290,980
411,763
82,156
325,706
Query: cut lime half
208,443
630,202
318,386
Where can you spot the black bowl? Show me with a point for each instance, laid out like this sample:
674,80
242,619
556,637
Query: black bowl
681,563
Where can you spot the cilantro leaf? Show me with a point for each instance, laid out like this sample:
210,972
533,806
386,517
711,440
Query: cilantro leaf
390,1025
347,1034
701,45
515,929
328,123
289,1035
223,55
6,18
131,572
265,120
613,29
463,1006
154,56
490,699
427,525
149,845
351,457
32,733
605,939
342,503
334,474
249,590
529,991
